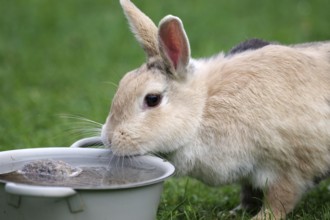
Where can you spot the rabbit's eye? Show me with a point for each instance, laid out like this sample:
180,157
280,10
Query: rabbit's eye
152,100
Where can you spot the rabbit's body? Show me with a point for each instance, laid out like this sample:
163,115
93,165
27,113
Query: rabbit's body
259,115
266,111
266,122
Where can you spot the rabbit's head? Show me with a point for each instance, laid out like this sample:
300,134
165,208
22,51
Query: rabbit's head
157,106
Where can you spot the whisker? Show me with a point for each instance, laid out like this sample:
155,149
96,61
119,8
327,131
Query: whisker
69,116
122,162
117,162
80,127
79,133
85,123
110,161
112,83
79,130
132,161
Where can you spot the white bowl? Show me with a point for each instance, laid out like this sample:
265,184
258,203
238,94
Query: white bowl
135,200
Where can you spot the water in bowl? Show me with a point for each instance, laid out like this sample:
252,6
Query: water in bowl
50,172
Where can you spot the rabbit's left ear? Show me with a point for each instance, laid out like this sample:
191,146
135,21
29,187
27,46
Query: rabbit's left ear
143,28
174,45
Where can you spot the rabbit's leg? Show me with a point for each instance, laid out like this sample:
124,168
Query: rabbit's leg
280,199
251,200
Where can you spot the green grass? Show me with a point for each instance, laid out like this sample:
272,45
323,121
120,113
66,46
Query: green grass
63,57
186,198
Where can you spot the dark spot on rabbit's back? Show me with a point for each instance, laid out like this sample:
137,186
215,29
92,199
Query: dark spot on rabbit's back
252,44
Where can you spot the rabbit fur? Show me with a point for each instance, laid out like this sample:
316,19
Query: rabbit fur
259,115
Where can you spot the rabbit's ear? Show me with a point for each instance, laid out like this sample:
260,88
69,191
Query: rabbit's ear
174,44
144,29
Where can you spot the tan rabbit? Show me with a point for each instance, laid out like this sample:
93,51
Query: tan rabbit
259,115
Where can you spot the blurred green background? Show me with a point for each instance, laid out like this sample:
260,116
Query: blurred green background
65,57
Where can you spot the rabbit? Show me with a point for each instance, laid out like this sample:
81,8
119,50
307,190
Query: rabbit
258,115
